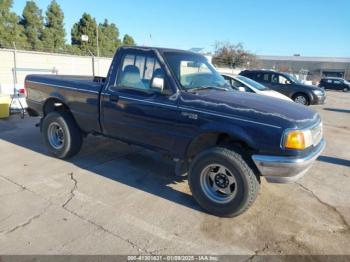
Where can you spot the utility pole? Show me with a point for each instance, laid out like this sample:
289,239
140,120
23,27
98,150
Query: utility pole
97,45
14,66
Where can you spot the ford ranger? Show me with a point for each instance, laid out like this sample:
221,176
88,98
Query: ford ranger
174,102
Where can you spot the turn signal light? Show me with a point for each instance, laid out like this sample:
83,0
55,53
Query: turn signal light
297,139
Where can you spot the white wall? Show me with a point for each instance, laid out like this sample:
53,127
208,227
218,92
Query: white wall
45,63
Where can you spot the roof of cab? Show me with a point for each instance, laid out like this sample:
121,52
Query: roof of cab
159,49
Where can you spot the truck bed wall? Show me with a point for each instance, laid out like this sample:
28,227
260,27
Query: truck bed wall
79,93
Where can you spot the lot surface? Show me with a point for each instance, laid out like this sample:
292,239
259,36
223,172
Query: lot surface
117,199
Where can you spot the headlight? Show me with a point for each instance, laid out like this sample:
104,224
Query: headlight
298,139
318,92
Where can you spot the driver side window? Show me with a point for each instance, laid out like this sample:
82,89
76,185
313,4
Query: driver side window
137,71
279,79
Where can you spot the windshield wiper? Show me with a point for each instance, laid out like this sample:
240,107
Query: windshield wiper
206,88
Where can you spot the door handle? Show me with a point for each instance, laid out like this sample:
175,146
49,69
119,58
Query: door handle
113,98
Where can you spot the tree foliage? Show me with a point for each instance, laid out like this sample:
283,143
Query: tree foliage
108,38
128,40
85,26
232,55
54,33
32,21
10,29
32,31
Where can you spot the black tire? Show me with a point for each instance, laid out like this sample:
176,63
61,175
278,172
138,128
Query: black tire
301,99
71,134
346,89
247,184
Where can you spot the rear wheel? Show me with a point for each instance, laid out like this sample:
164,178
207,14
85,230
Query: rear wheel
222,182
301,99
61,134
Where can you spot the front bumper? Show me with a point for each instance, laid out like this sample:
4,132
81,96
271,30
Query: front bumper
279,169
320,100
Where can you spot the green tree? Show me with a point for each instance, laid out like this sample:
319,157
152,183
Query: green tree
72,49
128,40
10,30
33,24
54,33
86,26
108,38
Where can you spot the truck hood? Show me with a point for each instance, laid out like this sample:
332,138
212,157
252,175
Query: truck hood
251,107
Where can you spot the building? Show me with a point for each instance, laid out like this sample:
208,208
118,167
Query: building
312,68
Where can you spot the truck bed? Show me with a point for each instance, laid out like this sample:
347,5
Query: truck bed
79,93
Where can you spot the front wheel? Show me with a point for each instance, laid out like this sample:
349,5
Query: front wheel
61,134
222,182
301,99
346,89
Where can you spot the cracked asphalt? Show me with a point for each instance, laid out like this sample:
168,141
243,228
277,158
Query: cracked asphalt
118,199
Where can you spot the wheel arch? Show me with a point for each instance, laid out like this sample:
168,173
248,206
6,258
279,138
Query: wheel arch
308,95
55,102
211,136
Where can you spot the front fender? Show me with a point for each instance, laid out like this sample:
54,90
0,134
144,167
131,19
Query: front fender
233,131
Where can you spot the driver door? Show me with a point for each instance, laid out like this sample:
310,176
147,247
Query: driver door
280,84
132,111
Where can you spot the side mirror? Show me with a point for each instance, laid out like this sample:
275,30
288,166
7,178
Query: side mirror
158,84
242,89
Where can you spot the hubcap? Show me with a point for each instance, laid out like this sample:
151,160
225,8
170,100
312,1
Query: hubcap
300,100
218,183
55,135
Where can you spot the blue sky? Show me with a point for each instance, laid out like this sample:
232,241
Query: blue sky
269,27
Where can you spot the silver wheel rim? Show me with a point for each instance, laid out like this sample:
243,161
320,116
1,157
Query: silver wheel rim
218,183
300,100
55,135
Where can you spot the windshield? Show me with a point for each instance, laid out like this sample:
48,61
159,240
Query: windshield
194,71
347,82
252,83
293,79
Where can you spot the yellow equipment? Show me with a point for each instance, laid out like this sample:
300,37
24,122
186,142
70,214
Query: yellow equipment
5,106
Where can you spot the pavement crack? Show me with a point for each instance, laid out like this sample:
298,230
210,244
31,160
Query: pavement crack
157,251
28,222
134,245
14,182
330,207
270,245
72,194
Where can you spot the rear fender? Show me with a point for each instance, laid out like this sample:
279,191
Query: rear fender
54,96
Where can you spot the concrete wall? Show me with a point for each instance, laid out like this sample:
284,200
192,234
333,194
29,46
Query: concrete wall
45,63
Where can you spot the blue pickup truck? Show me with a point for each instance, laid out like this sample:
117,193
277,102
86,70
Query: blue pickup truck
174,102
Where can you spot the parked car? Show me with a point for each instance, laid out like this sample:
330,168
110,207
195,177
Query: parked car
176,103
288,85
244,84
335,83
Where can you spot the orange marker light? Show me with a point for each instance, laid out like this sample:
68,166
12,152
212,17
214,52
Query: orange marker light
295,140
